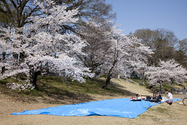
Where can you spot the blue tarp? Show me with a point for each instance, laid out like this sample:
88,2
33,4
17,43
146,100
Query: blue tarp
121,107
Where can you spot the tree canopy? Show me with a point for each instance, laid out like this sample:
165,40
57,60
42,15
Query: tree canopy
41,42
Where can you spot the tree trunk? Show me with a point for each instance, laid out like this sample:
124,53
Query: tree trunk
160,86
19,76
154,91
34,78
3,60
110,71
143,79
107,82
2,70
47,68
64,80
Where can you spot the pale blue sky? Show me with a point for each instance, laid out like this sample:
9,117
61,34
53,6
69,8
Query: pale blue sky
152,14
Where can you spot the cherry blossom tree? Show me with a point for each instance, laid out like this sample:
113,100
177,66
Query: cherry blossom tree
167,72
43,42
125,52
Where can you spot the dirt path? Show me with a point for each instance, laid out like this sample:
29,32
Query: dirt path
161,114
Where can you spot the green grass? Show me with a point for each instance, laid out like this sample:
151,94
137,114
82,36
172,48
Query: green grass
53,90
139,81
93,86
161,110
166,87
4,81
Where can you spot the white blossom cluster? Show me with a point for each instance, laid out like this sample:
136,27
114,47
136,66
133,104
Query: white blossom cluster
20,87
42,42
126,52
168,72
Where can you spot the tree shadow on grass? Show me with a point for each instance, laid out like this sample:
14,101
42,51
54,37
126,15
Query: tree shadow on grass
52,90
115,87
46,94
59,95
73,95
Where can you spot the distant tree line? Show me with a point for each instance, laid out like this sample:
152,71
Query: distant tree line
164,44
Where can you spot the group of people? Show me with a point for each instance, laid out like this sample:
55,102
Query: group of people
158,98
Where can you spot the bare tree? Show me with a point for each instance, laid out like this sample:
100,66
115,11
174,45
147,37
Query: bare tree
90,8
98,43
161,41
18,11
181,53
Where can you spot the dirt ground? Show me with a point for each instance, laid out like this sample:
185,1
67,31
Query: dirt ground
160,114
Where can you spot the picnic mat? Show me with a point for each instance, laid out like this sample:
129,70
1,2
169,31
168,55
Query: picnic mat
121,107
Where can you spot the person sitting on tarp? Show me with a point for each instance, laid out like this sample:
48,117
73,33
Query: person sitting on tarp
156,99
138,95
159,97
136,98
169,98
184,91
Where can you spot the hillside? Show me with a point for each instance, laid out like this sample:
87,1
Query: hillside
132,87
161,114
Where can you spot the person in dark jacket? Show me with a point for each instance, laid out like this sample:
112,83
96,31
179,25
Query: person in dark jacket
157,99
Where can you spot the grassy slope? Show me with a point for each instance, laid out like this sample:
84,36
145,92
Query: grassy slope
53,90
164,86
138,89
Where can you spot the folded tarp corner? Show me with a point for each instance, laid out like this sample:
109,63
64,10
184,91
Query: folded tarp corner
121,107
